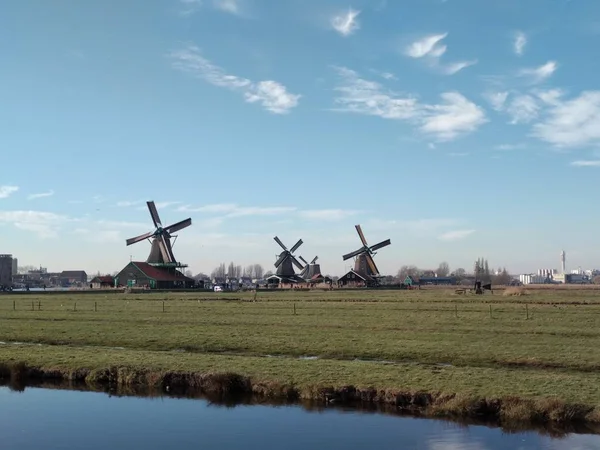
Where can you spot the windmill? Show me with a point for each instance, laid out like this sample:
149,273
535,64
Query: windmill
161,252
364,263
286,260
310,268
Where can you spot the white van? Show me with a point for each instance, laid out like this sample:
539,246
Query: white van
218,289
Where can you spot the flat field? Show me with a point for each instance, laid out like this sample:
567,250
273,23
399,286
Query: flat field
539,345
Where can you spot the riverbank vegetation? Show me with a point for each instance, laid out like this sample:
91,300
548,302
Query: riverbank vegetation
523,357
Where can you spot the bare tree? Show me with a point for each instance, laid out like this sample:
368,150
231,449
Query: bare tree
460,273
268,273
258,271
406,271
219,272
443,269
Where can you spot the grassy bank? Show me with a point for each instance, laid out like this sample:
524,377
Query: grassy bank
534,357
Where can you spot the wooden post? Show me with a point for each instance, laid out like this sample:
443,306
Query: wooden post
95,306
75,307
456,310
294,308
490,311
39,305
32,306
255,293
163,306
527,310
14,306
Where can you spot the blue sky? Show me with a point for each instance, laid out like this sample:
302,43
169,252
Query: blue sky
457,128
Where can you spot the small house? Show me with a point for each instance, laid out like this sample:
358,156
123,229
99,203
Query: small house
102,282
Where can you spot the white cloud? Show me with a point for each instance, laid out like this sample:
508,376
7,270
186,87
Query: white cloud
505,147
519,42
327,214
456,115
458,154
455,235
389,76
346,23
496,99
127,204
452,68
368,97
44,224
272,95
41,195
7,191
427,46
523,109
541,73
550,96
572,123
229,6
431,48
586,163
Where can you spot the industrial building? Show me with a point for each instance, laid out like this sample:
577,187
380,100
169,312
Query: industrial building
6,271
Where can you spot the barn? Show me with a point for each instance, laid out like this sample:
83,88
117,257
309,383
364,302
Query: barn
102,282
355,279
142,274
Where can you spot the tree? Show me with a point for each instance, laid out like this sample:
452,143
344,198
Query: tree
503,278
406,271
460,273
219,272
268,273
443,269
596,279
258,271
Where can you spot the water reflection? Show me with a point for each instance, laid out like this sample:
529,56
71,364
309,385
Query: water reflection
132,418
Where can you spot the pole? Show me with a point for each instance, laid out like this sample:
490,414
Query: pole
490,311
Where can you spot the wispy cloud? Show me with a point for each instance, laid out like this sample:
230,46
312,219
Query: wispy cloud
346,23
43,224
427,46
506,147
234,210
127,204
456,114
159,205
431,49
496,99
327,214
519,43
7,191
523,109
586,163
455,235
49,193
229,6
572,123
541,73
272,95
189,7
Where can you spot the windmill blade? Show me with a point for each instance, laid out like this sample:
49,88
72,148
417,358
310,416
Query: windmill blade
381,245
280,243
303,260
314,260
281,259
372,265
166,250
295,247
169,248
361,235
353,254
154,214
296,263
139,238
178,226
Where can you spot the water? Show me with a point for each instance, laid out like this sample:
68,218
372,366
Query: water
55,419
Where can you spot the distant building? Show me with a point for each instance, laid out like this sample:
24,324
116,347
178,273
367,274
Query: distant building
6,274
533,279
102,282
355,279
15,267
437,280
73,277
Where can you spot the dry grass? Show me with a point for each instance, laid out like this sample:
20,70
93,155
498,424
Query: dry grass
515,291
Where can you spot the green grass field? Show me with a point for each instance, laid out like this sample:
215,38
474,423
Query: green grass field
545,344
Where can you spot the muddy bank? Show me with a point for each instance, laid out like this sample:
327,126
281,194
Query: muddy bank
511,413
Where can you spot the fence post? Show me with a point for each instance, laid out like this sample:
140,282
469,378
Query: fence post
294,308
163,306
490,311
527,310
456,310
75,307
95,306
14,305
39,305
32,306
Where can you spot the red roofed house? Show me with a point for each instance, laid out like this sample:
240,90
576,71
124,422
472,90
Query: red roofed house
142,274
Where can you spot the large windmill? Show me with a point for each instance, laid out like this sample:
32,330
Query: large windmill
364,264
310,268
161,252
286,261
